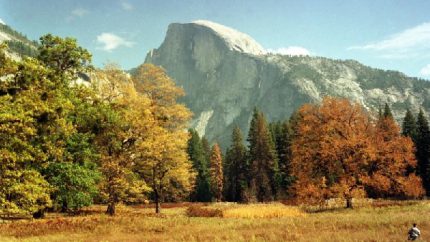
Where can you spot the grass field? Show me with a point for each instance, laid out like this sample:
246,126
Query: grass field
380,221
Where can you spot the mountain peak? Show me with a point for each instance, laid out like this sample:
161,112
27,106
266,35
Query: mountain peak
224,83
235,39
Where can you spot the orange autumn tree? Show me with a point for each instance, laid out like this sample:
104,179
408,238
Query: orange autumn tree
331,151
391,172
336,154
216,172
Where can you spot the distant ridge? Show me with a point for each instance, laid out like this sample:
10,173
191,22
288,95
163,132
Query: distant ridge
226,74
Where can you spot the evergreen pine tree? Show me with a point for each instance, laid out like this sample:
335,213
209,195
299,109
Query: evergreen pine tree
281,135
206,149
284,155
293,123
385,119
423,150
409,127
216,173
263,160
387,111
197,155
236,168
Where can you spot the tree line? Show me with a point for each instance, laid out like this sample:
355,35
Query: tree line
122,138
65,144
21,48
335,149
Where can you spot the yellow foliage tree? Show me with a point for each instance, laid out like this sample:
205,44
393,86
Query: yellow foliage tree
161,157
122,112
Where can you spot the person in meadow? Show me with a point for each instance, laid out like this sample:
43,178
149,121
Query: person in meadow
414,232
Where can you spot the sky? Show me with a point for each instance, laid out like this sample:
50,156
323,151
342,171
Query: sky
386,34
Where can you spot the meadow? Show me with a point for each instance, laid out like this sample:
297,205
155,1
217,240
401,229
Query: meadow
374,221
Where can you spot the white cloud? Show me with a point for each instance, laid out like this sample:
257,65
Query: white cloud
290,50
80,12
2,22
406,44
425,71
127,6
111,41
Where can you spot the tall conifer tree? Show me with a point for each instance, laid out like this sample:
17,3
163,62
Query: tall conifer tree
423,150
409,127
236,168
197,155
206,150
216,173
387,111
262,159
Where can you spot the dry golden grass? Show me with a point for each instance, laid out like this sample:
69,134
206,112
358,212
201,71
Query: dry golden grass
385,221
231,210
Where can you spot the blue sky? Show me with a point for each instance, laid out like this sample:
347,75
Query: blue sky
385,34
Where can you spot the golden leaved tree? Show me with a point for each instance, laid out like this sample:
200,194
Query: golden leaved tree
121,115
161,157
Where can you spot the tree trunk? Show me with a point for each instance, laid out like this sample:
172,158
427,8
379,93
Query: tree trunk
39,214
349,203
64,207
111,209
157,202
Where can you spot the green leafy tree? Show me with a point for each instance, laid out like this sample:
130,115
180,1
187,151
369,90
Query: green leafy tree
23,191
76,185
62,128
64,56
22,110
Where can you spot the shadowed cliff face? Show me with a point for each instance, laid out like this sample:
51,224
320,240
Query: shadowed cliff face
224,81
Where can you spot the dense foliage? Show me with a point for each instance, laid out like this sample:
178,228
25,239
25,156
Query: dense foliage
198,156
66,143
332,150
263,162
236,169
418,130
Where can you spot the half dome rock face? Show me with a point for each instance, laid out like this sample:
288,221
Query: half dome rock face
226,74
234,39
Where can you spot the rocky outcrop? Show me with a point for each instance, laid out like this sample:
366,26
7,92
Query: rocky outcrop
18,44
226,74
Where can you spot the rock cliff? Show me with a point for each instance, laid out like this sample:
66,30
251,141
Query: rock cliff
226,74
